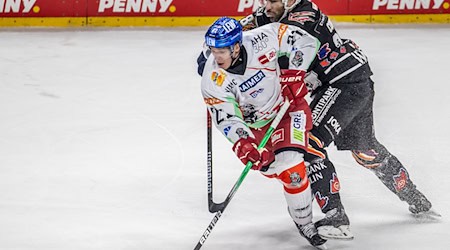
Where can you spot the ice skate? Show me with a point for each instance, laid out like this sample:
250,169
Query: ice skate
335,225
419,205
309,231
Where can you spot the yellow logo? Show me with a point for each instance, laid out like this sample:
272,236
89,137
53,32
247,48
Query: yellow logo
212,101
218,77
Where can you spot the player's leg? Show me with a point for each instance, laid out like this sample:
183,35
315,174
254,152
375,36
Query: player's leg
325,187
333,109
290,170
393,175
290,143
359,137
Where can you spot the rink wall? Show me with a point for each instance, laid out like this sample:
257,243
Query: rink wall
113,13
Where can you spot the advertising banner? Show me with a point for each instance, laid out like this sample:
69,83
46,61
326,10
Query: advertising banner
42,8
202,12
179,8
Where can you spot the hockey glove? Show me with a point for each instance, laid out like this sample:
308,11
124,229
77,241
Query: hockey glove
292,84
247,150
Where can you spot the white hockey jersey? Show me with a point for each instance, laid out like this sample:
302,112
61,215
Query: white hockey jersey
239,101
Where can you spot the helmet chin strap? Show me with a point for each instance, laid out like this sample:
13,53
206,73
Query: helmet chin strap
287,9
233,59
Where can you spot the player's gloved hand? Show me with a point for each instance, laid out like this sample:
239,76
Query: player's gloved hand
246,150
292,84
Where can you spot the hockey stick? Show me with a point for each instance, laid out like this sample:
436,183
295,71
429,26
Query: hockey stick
244,173
212,206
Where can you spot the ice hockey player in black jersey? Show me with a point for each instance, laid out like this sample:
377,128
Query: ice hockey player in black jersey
342,111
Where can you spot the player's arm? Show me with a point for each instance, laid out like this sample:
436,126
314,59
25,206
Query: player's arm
224,110
300,48
256,19
227,117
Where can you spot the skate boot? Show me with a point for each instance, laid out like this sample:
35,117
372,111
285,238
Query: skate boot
335,225
417,202
419,205
309,231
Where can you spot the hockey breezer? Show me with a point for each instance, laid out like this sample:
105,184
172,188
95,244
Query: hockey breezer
221,206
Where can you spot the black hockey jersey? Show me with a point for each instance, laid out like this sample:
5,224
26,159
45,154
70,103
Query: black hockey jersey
338,60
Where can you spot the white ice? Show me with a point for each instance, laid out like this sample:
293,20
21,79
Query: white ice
103,145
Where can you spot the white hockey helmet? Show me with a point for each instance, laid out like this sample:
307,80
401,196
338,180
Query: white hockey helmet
285,2
288,5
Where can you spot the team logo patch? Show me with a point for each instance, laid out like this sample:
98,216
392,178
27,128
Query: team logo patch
295,179
335,185
218,77
322,201
242,133
297,60
400,180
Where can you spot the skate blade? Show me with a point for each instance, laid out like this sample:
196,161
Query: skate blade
428,216
322,247
336,233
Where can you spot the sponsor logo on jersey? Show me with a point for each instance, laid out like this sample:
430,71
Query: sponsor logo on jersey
277,136
262,37
259,42
255,93
324,51
252,82
325,102
409,4
212,101
325,63
301,17
335,186
218,77
400,180
298,128
226,130
18,6
268,57
135,6
334,55
314,172
281,31
230,85
333,122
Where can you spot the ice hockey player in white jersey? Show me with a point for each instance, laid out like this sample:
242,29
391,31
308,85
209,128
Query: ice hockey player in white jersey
243,88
